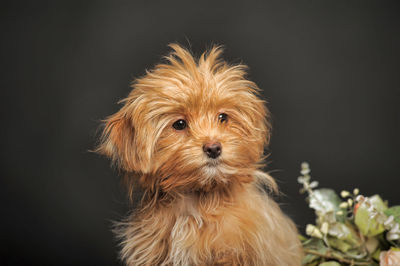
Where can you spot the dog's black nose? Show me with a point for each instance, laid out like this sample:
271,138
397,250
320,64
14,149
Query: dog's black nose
213,149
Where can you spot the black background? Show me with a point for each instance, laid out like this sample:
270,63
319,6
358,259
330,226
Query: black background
329,70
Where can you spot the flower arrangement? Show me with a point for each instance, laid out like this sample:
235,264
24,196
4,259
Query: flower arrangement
350,229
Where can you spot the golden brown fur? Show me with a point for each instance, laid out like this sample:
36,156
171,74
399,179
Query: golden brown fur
196,210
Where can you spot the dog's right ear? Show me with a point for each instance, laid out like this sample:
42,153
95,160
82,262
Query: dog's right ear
117,142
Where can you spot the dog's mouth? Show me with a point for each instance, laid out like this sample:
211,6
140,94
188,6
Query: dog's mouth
213,162
212,167
215,172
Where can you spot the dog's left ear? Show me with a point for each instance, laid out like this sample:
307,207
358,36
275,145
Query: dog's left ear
117,141
122,141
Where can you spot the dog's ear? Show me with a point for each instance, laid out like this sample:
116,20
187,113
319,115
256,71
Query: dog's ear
122,141
263,122
116,141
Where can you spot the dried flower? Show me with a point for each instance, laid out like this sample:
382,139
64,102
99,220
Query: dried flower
395,228
305,165
325,228
344,194
313,184
356,191
360,198
389,221
394,232
343,205
305,171
303,179
350,202
313,231
389,258
392,236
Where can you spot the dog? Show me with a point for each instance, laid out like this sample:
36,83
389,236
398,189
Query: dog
192,134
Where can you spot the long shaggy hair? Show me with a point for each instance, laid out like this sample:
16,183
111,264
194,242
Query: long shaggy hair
197,209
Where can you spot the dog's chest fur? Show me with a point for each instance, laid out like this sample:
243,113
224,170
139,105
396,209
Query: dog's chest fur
212,231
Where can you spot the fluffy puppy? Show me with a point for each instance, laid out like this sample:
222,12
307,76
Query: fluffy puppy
192,134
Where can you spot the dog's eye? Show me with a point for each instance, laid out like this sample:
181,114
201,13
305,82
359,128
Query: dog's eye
179,124
222,117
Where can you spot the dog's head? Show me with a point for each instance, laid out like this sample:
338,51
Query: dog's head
189,124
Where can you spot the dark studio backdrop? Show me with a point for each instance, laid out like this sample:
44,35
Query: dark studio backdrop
329,70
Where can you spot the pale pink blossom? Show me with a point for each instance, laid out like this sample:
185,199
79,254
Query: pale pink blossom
390,258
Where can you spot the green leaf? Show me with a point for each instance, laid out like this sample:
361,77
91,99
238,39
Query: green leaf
302,238
395,211
369,226
324,200
315,244
371,244
307,259
314,263
339,244
378,203
339,230
376,254
330,263
345,232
